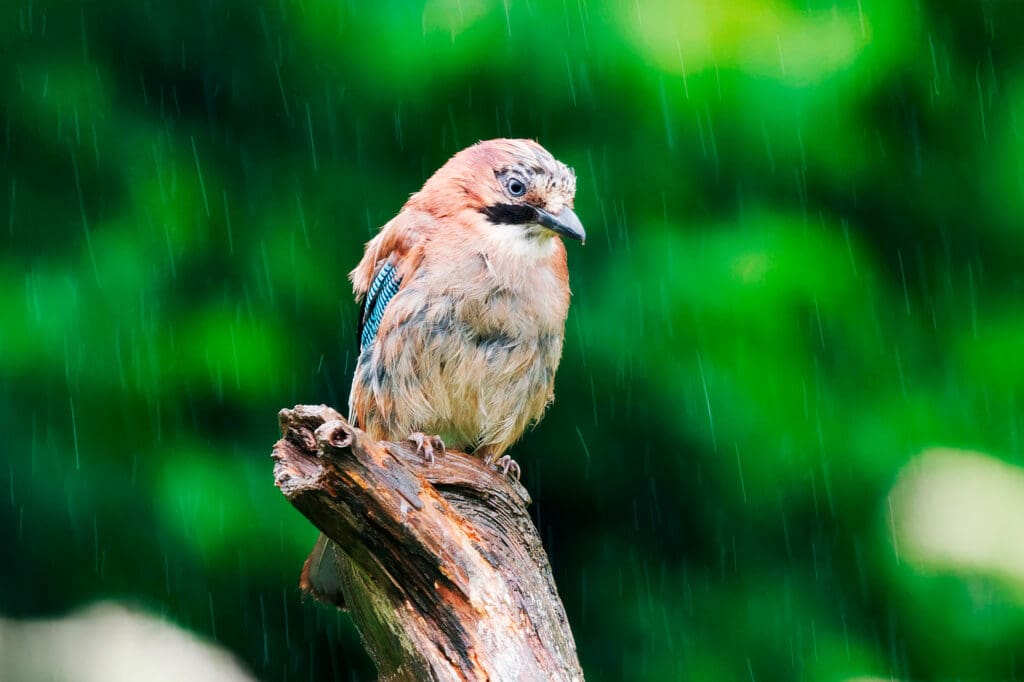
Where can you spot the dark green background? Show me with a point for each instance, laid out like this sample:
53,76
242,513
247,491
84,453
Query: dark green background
806,227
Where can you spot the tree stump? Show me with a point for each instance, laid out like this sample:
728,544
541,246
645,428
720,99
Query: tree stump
442,568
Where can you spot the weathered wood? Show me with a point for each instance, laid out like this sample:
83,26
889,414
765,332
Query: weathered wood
443,571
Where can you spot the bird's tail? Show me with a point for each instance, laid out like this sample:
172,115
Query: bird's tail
321,574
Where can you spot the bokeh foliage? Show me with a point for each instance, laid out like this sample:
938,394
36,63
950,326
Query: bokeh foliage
803,269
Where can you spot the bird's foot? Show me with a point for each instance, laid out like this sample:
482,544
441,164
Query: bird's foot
508,466
426,445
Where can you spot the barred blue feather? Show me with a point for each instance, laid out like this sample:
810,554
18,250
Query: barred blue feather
382,290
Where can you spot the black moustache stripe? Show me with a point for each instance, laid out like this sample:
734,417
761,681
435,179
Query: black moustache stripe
510,214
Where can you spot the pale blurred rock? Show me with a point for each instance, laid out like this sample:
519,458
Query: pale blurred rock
108,642
960,511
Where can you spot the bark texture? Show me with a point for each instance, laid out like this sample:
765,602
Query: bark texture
442,568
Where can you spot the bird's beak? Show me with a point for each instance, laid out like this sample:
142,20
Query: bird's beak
565,223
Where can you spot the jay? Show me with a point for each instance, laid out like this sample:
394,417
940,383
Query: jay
464,298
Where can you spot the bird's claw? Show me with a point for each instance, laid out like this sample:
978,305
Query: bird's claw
426,445
509,467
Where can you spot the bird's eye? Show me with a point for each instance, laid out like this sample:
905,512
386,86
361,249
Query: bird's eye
516,187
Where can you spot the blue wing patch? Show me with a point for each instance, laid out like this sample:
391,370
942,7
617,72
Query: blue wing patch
382,290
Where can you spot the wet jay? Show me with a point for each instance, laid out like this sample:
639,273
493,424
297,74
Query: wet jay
464,299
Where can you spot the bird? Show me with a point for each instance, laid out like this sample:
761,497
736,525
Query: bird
464,297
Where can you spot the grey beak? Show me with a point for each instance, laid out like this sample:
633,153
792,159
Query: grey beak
565,223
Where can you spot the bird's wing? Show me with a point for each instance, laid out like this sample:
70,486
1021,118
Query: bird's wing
390,258
383,288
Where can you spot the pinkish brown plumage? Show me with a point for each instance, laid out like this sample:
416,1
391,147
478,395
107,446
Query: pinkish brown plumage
468,346
465,294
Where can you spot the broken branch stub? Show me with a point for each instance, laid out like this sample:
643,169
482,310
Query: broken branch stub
441,566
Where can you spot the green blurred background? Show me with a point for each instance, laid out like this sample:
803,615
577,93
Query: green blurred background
786,438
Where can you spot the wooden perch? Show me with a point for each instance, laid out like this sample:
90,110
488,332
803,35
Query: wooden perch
443,570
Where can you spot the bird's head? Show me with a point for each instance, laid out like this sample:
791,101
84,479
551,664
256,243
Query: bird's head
511,185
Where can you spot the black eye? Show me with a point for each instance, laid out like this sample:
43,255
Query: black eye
516,187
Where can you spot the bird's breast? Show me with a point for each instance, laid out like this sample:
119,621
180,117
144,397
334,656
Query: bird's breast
468,347
497,342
